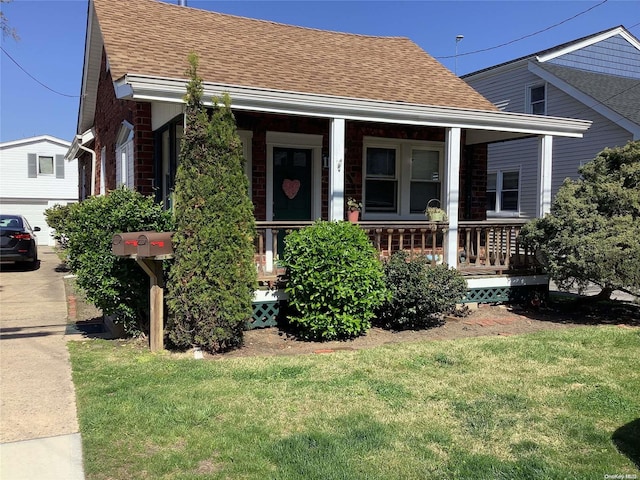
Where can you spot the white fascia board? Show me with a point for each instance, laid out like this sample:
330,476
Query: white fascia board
506,281
90,71
78,141
589,41
40,138
587,100
145,88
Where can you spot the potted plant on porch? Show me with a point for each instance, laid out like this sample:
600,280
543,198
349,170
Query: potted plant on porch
433,211
353,209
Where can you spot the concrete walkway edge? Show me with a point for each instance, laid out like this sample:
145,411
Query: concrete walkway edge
57,458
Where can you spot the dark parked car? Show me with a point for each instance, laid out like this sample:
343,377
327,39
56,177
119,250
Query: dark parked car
17,240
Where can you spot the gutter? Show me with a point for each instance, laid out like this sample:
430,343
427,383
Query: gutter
79,143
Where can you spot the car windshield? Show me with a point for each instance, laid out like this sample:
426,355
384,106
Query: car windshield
10,221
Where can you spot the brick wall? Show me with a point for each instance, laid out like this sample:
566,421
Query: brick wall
259,124
109,115
473,174
473,183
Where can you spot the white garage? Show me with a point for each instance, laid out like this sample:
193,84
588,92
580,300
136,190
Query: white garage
33,210
34,177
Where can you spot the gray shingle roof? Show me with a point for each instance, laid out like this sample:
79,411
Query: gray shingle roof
620,94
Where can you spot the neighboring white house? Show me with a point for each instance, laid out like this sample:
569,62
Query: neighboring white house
594,78
35,176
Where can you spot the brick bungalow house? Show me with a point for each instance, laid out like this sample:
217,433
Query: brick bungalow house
323,116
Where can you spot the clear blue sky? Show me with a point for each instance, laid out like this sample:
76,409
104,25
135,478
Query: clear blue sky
52,34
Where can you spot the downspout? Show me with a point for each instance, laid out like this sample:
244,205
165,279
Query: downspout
93,164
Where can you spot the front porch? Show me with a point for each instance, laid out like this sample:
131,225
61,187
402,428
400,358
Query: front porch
497,267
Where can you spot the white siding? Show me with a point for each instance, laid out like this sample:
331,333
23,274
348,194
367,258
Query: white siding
31,196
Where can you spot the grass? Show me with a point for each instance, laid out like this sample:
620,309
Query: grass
548,405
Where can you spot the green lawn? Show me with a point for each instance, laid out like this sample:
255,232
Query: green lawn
545,405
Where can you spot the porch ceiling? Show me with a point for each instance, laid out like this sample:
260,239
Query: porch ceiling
482,126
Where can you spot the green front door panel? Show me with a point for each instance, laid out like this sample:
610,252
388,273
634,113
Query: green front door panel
291,186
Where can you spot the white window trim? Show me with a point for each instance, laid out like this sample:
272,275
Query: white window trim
527,106
125,156
53,166
403,174
498,212
296,140
246,137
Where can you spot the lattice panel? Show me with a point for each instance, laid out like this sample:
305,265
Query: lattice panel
265,314
487,295
505,294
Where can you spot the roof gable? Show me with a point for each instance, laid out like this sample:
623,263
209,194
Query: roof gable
614,55
239,51
36,140
559,50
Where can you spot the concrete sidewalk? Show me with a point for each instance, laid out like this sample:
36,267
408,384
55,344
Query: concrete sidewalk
39,431
594,290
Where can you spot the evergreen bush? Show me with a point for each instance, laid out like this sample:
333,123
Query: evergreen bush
118,286
420,293
213,277
335,280
591,235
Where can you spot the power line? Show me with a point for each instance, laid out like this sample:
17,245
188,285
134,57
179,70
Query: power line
34,78
526,36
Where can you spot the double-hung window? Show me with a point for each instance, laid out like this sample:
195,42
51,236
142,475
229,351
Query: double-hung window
537,99
503,192
425,179
381,182
401,176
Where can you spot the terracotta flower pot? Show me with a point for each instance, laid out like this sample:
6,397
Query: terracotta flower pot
353,216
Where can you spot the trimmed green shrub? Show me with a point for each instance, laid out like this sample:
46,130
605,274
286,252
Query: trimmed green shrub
213,277
118,286
420,293
335,280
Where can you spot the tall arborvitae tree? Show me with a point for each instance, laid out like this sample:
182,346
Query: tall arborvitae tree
213,277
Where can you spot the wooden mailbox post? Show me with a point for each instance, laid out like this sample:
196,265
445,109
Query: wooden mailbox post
149,249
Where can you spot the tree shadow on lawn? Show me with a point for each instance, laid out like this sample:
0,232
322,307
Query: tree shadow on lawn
581,310
627,440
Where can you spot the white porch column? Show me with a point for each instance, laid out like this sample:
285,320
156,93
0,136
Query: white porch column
452,194
336,169
545,162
